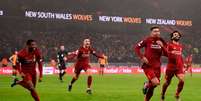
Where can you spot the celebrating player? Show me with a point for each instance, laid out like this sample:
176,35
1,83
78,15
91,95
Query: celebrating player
28,57
175,65
154,48
82,63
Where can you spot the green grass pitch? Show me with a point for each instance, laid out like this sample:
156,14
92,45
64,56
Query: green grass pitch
109,87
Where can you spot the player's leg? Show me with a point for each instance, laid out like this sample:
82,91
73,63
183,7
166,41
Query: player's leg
89,80
14,76
153,82
168,78
60,72
75,77
102,71
145,87
180,85
149,92
34,79
34,93
151,86
191,71
63,70
14,72
146,83
28,84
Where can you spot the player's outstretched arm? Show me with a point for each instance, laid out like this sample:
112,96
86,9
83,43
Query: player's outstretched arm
98,55
71,55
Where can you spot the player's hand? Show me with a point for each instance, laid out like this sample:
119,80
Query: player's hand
176,52
145,60
160,43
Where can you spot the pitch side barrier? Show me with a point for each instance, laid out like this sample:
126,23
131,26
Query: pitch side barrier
110,69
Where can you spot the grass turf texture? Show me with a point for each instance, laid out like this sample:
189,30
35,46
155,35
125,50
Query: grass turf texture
105,88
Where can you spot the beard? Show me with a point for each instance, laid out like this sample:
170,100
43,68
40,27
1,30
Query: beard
31,49
176,39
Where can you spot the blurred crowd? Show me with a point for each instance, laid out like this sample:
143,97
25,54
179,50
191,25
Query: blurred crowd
117,46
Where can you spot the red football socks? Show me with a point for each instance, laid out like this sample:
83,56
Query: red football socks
89,81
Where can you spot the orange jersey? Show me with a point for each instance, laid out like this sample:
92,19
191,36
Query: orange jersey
103,60
13,59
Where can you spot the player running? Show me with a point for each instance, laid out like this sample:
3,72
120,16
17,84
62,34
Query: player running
175,65
28,58
154,48
82,63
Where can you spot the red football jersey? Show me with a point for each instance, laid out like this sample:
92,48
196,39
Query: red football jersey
152,52
28,60
175,59
83,55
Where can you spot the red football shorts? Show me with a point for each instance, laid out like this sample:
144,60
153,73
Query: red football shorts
169,73
151,73
80,67
30,76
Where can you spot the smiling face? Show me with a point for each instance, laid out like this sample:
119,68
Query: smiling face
155,32
31,46
86,43
175,36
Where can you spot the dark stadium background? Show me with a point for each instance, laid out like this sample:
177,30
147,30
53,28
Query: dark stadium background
114,39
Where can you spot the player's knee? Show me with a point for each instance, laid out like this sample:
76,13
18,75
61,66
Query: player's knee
32,88
155,82
75,78
181,78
